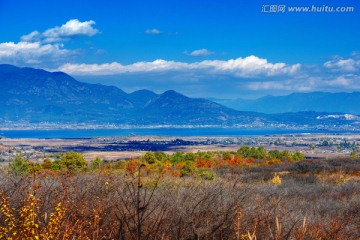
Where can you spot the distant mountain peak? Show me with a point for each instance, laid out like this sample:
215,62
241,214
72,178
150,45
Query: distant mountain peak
8,68
172,93
169,92
142,97
143,91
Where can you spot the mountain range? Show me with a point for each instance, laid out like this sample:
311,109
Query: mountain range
35,95
297,102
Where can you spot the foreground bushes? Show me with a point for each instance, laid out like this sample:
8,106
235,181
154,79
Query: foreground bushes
281,201
200,164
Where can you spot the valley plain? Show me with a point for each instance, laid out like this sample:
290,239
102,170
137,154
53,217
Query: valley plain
294,186
117,148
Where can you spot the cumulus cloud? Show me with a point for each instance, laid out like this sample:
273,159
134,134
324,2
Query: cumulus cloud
310,83
153,31
31,37
251,66
199,53
71,29
45,47
343,75
339,74
343,65
31,52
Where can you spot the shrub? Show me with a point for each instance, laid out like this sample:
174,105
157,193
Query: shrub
73,161
149,157
47,164
160,156
207,175
97,163
55,165
276,180
187,169
25,223
19,165
298,156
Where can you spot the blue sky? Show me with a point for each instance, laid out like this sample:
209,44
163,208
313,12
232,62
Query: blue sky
223,49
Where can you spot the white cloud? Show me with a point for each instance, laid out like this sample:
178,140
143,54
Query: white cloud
36,47
341,81
306,84
251,66
343,76
31,37
117,68
200,53
343,65
31,52
153,31
71,29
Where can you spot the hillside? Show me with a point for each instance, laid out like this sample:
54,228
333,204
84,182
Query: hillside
34,96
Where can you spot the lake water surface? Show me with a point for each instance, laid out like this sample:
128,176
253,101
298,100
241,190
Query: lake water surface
176,132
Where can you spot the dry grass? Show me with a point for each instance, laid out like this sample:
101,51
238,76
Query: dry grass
314,200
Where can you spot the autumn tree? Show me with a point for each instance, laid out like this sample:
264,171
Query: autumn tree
150,157
73,161
19,165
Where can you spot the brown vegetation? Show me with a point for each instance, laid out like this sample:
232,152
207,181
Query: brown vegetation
233,197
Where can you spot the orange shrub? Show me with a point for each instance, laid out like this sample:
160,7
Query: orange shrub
180,165
249,161
202,163
132,165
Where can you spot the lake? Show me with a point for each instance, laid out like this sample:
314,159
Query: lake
176,132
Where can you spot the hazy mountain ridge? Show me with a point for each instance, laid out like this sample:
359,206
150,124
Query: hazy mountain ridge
35,95
299,102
